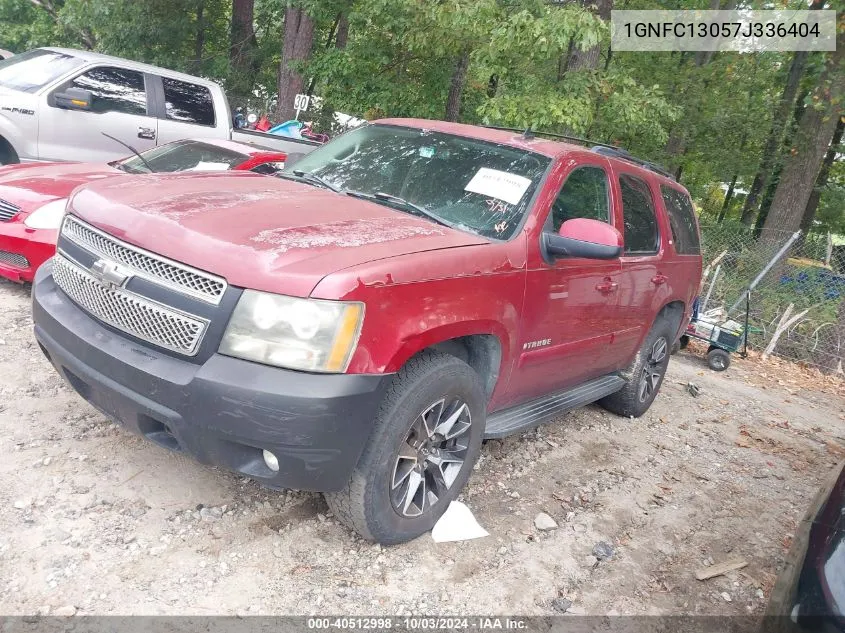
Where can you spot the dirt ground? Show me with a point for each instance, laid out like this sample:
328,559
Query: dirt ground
97,521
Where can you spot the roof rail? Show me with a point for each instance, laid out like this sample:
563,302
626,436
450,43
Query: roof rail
599,148
529,133
618,152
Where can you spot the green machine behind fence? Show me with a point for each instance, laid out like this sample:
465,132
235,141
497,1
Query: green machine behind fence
724,334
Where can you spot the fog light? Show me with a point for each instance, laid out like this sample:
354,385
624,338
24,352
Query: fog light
271,461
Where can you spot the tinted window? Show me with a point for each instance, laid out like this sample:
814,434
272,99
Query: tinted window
35,69
640,222
114,90
472,185
583,195
268,169
188,103
183,156
681,221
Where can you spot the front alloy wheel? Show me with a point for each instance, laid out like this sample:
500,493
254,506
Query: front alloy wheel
431,457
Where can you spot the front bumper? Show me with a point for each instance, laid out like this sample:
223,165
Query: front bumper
224,411
35,245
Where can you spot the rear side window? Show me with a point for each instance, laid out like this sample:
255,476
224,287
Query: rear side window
641,234
188,103
681,221
114,90
583,195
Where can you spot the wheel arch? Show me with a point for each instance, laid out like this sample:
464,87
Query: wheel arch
481,346
675,312
8,155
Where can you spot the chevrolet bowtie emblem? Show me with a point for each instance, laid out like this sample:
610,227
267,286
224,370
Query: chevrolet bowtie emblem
109,273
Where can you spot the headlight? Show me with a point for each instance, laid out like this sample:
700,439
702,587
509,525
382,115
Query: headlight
305,334
48,216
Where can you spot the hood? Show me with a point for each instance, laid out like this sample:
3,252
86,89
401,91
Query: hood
30,186
257,232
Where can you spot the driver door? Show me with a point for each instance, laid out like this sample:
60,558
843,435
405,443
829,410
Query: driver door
571,304
119,108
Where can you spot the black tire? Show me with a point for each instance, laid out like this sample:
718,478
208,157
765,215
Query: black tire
635,398
681,343
8,156
372,503
718,359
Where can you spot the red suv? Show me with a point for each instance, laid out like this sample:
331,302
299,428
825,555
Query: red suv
360,324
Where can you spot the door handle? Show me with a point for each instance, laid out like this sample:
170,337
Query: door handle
659,279
607,286
147,133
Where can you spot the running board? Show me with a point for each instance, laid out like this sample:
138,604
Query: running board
535,412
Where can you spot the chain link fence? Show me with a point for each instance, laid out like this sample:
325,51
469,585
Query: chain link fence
797,310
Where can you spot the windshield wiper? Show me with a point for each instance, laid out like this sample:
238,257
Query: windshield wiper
131,149
313,179
406,204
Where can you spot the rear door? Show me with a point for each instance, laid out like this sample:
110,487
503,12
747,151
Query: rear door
120,108
186,111
683,262
570,312
643,277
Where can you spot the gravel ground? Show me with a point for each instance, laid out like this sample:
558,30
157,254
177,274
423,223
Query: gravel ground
97,521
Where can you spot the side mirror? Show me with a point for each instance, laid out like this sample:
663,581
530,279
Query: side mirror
581,237
74,99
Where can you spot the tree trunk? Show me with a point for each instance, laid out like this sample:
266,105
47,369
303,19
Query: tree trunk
812,139
589,59
299,38
821,181
242,48
456,87
778,129
728,197
199,44
776,133
342,31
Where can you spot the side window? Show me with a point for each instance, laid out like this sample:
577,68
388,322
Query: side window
268,169
114,90
681,221
583,195
641,234
188,103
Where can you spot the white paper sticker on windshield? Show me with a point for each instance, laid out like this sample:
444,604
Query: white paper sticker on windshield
498,184
207,166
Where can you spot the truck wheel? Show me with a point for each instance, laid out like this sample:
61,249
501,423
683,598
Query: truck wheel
718,359
8,156
426,439
645,375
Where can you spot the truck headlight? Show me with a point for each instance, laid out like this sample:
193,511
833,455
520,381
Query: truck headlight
48,216
305,334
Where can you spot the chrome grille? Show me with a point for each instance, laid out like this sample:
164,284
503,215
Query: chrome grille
145,264
8,210
152,322
13,259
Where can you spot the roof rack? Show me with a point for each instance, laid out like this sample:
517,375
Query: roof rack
618,152
599,148
528,133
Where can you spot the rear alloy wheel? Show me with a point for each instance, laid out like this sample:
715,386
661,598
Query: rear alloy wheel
420,453
644,376
653,370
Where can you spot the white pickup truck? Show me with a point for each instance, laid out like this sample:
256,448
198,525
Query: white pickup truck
55,105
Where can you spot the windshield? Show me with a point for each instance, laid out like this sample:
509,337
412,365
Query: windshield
35,69
472,185
183,156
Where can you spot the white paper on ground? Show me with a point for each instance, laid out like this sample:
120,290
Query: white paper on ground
457,524
208,166
498,184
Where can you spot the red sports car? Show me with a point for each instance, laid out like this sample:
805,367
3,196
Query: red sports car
33,195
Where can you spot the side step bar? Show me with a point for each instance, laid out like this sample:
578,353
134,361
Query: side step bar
535,412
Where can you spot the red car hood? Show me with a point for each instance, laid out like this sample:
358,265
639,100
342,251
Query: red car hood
257,232
30,186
